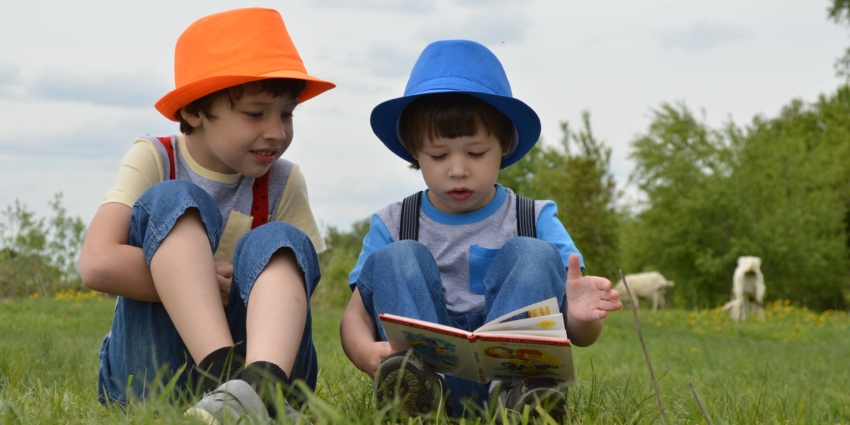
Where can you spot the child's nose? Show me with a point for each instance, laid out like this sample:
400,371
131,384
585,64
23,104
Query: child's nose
275,130
458,168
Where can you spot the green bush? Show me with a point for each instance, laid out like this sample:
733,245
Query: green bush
39,255
336,263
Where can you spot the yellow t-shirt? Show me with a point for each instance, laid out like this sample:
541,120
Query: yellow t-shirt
142,167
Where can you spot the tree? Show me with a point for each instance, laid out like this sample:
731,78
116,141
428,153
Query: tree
776,189
798,174
839,12
587,198
683,230
523,176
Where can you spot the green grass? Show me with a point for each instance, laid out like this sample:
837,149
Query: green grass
793,368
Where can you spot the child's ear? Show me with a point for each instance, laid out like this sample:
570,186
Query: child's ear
193,120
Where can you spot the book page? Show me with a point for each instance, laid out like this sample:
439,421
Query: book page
511,358
554,322
543,308
445,349
554,334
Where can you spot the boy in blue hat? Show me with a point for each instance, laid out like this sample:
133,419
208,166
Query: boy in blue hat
466,250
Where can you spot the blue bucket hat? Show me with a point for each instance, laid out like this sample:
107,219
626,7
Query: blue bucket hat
459,66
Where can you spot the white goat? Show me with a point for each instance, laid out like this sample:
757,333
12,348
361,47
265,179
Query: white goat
747,289
649,286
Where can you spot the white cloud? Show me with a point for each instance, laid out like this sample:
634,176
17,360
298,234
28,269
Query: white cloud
416,7
128,91
385,60
487,3
9,79
702,36
83,182
83,132
97,72
490,26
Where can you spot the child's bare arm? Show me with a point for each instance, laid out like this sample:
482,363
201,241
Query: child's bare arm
358,334
589,299
108,264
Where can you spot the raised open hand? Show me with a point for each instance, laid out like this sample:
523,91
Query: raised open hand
589,297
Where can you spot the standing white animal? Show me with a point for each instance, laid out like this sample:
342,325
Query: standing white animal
747,289
649,286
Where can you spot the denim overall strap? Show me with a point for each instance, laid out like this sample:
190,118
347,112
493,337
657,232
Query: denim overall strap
260,203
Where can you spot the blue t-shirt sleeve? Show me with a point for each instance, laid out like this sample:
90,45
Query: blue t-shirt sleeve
550,229
378,237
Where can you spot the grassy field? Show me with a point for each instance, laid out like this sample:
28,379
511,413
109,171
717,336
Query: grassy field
793,368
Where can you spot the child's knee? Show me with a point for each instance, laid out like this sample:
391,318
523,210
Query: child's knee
533,250
175,191
532,260
406,261
273,235
278,241
165,202
405,254
159,209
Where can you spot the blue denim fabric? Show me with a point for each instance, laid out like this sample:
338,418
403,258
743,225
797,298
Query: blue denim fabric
144,344
403,279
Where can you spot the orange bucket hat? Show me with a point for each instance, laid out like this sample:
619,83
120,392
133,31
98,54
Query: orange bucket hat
231,48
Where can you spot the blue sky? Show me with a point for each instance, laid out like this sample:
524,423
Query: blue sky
78,79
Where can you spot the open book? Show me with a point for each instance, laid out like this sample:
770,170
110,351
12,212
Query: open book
502,349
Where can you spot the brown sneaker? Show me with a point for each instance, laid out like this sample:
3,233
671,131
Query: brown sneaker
405,377
538,391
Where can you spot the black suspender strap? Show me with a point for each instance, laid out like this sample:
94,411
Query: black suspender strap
525,225
409,226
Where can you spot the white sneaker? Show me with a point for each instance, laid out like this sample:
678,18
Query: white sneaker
234,401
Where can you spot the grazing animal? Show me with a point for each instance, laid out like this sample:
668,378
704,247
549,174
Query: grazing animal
649,286
747,289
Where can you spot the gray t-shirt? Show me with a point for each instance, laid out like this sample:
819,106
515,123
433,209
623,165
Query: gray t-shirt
464,245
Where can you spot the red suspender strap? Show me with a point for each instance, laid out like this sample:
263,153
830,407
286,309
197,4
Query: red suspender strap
260,207
169,148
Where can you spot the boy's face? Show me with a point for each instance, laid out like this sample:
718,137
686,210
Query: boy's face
460,172
245,138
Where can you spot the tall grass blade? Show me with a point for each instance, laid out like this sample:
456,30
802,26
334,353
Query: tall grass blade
645,352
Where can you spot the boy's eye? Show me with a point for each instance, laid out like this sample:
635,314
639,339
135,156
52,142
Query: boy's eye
477,154
286,115
254,114
438,157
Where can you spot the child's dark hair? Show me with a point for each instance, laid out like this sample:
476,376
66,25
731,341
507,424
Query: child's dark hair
273,86
451,115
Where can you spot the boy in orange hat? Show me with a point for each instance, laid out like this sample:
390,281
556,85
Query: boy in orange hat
197,225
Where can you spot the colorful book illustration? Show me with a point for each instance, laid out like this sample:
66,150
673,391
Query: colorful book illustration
506,349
